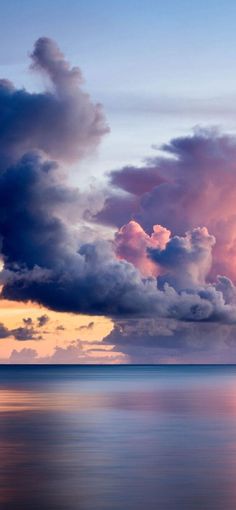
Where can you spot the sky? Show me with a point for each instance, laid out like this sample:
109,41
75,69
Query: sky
117,182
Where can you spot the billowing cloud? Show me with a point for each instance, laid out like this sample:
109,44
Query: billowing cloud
195,186
132,242
187,259
46,261
163,271
62,122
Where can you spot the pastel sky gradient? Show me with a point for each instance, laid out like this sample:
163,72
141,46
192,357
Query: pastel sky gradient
157,67
118,181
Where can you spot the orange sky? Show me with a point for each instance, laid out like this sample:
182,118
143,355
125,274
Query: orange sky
12,314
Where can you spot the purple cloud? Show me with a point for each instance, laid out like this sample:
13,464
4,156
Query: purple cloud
48,260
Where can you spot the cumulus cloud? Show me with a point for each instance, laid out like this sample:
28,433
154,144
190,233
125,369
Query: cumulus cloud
195,186
188,258
49,259
46,261
62,121
25,356
73,353
132,242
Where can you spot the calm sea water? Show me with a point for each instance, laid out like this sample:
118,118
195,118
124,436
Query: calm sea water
118,438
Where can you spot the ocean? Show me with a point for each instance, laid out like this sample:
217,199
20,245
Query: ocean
118,437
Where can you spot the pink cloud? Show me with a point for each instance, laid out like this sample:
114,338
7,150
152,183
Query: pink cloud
131,243
192,184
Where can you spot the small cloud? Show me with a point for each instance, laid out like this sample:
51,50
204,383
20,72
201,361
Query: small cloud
24,334
28,321
42,320
60,328
88,326
23,356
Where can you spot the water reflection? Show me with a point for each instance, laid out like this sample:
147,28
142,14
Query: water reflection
125,438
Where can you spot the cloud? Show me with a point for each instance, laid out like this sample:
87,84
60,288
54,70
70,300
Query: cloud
4,332
30,193
183,261
49,259
28,321
60,328
88,326
116,210
132,244
135,180
21,333
24,334
73,353
62,121
42,320
157,341
195,186
188,258
45,260
25,356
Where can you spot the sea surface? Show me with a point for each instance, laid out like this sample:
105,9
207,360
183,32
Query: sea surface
118,438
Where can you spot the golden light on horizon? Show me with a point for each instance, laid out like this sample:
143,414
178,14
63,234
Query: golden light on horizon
61,330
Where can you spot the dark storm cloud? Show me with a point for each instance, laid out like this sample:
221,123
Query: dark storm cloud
49,260
169,341
46,261
31,234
